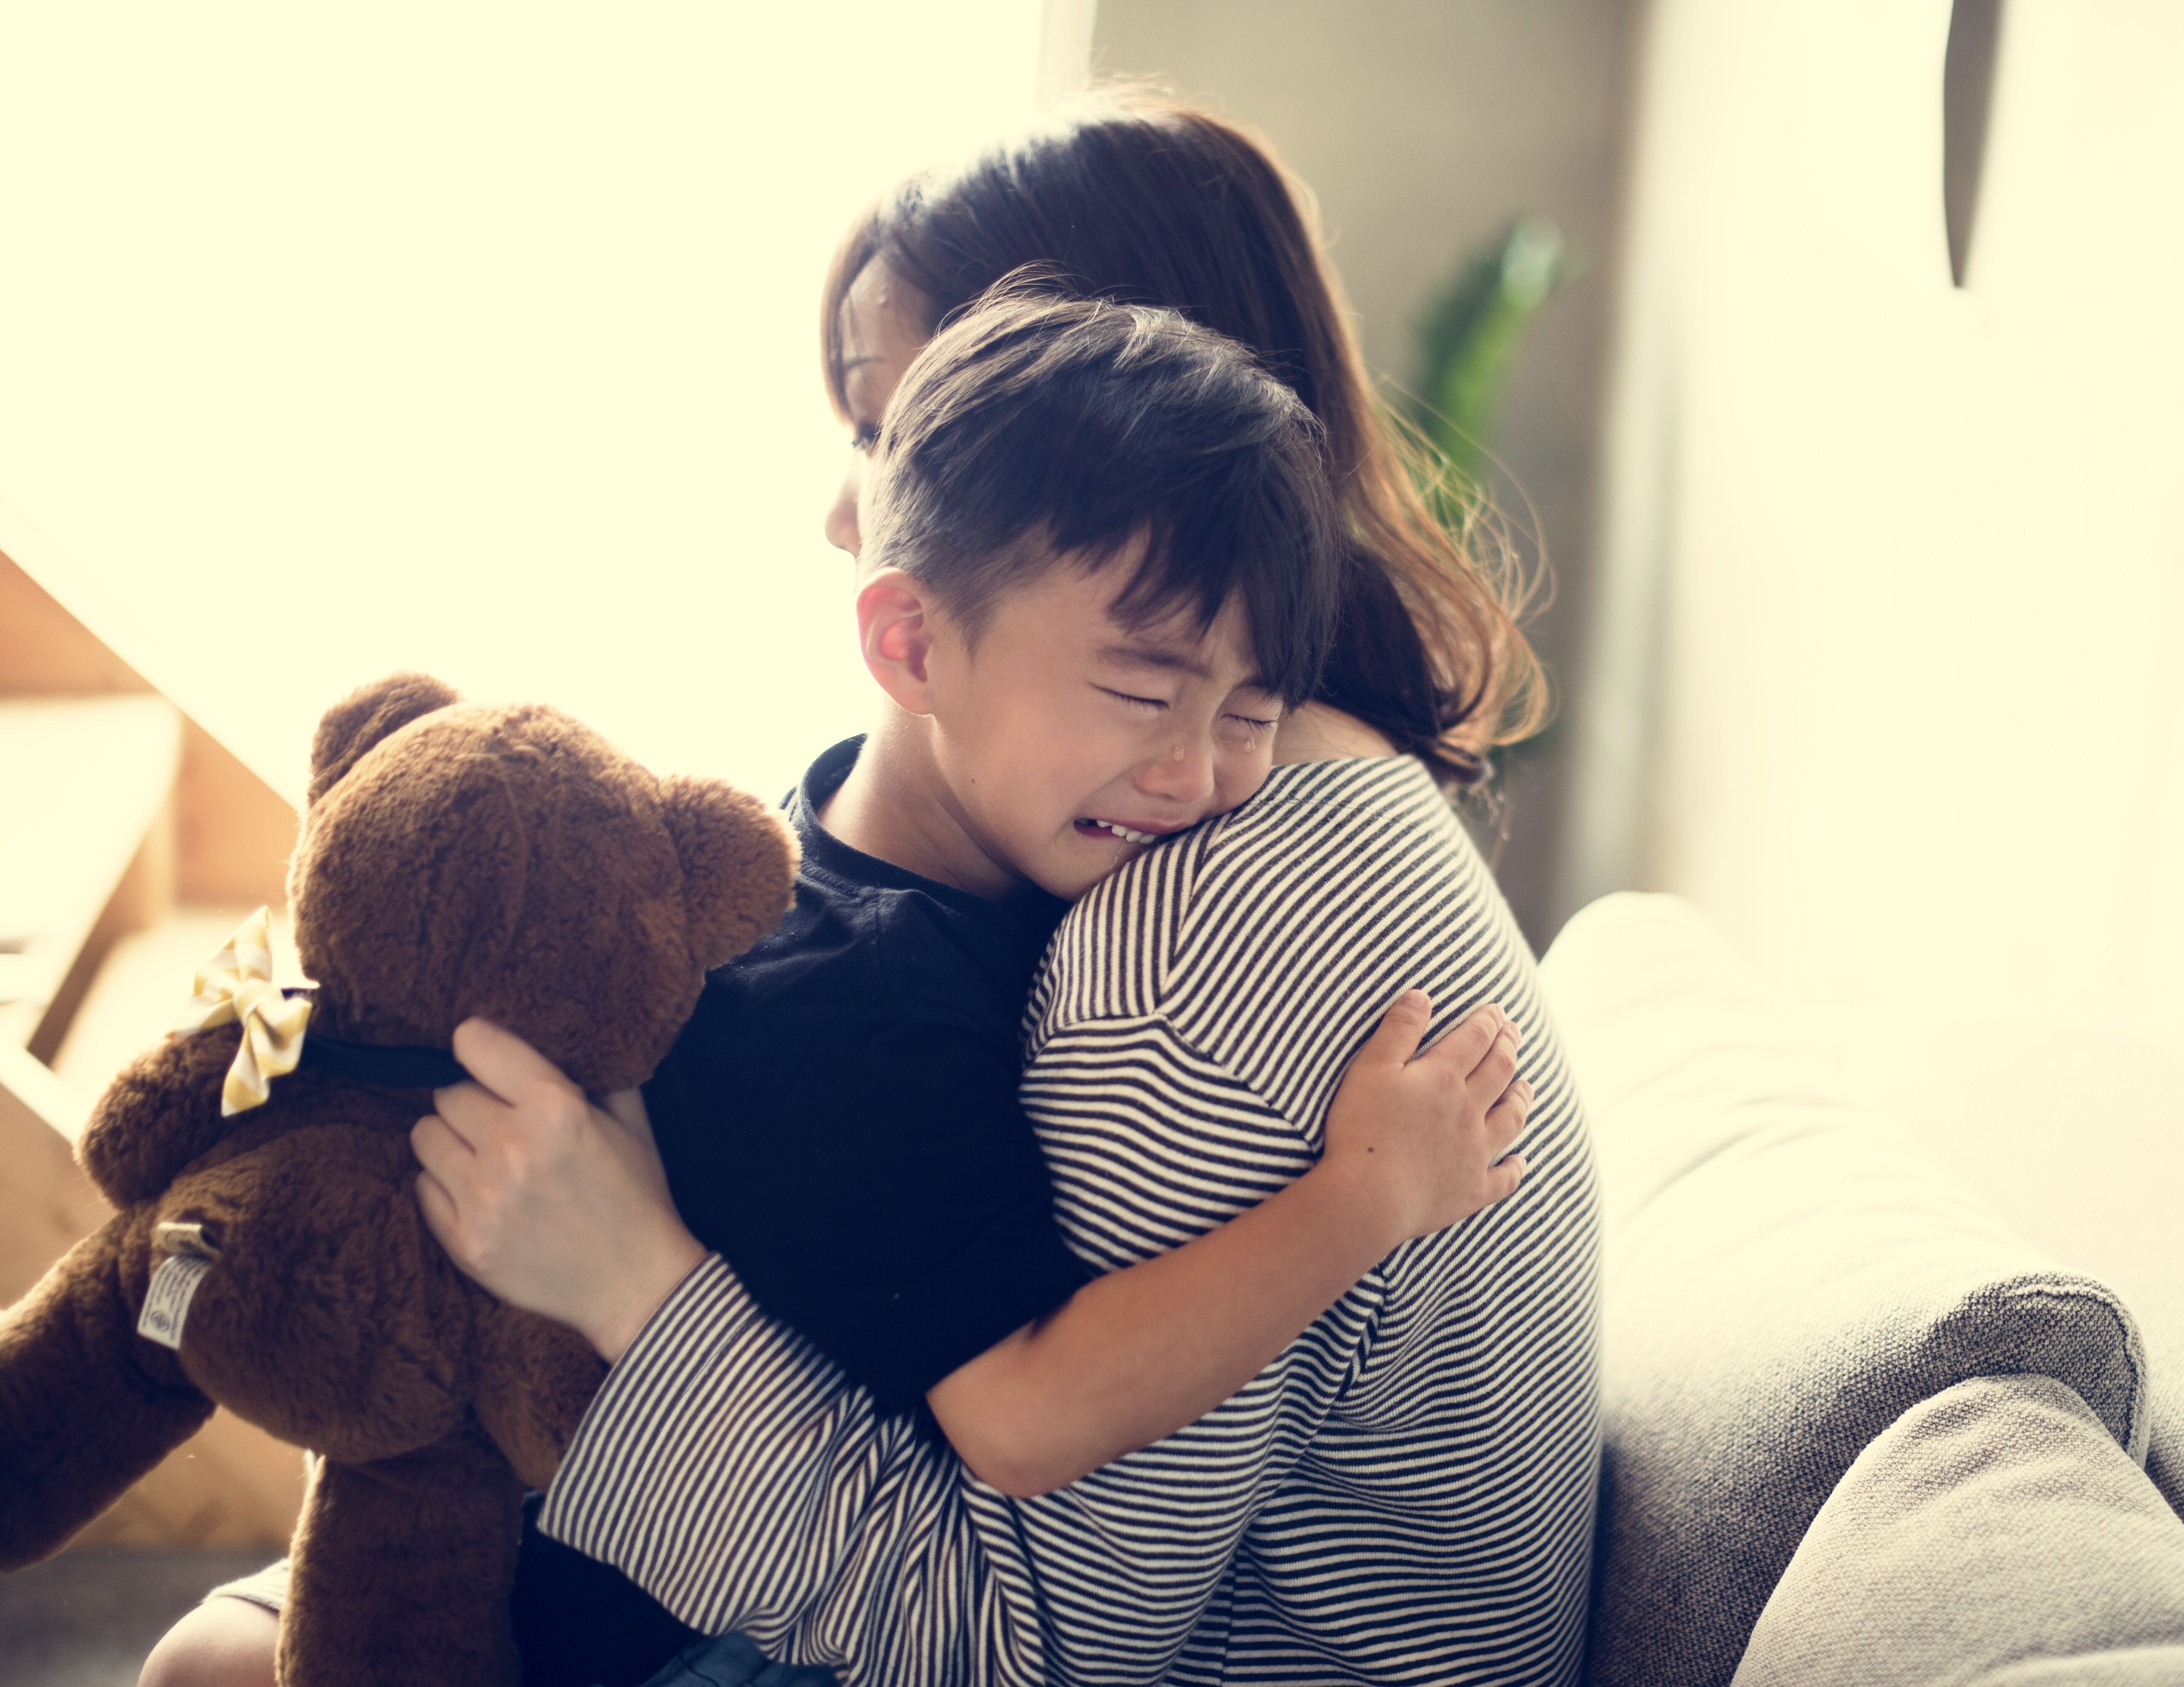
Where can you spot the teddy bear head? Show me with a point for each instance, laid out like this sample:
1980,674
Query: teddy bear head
460,859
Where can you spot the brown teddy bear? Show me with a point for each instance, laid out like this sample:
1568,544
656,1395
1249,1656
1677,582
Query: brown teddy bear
268,1255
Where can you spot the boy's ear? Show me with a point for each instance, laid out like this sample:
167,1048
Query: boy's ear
364,717
895,630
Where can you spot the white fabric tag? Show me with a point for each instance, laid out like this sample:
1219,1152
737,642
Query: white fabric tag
167,1301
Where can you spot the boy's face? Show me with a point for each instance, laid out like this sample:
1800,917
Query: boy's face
1065,742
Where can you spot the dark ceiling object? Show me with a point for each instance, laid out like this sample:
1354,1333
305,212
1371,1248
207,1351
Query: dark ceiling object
1967,95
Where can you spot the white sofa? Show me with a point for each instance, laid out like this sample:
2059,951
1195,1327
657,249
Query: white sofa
1854,1429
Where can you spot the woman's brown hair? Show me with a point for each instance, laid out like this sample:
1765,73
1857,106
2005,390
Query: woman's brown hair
1137,198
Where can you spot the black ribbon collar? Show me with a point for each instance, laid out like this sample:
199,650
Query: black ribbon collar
390,1065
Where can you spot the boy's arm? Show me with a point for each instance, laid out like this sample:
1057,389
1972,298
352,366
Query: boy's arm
1414,1144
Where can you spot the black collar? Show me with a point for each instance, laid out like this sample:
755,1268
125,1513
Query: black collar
389,1065
393,1068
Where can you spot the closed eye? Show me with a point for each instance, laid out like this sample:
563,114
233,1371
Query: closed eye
1151,703
867,436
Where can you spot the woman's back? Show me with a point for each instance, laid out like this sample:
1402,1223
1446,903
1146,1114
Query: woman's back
1409,1489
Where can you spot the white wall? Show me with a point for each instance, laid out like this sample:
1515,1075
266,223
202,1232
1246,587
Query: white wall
1423,128
481,338
1894,572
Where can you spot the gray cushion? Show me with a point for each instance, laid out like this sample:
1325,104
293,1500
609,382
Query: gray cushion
1783,1278
1994,1534
2141,1666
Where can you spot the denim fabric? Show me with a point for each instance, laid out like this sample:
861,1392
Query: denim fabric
732,1660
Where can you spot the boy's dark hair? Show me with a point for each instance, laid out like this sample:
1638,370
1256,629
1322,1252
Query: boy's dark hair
1036,425
1133,195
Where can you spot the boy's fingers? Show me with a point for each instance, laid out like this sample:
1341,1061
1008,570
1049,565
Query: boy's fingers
1503,1178
502,1061
1396,1039
1461,1050
1505,1120
1491,1078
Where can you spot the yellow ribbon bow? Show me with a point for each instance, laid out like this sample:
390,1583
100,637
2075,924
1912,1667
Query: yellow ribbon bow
237,984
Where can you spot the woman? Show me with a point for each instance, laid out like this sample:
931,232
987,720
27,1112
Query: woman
1406,1495
1149,201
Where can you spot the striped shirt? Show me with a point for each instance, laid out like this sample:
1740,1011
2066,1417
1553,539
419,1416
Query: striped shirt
1405,1494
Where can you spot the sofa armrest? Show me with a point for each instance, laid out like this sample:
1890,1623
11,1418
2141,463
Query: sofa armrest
1993,1534
1784,1277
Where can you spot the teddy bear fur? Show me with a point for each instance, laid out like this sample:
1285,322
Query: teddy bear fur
455,860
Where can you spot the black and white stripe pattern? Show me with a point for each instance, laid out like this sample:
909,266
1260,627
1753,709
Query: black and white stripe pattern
1406,1494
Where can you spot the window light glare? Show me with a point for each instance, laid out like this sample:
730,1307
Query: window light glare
481,340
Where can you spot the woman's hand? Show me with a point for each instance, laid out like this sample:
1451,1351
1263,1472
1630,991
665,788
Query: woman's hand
555,1203
1428,1135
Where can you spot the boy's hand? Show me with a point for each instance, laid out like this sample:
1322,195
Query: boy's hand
553,1203
1425,1138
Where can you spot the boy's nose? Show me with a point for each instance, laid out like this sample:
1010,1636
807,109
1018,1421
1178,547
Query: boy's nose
1184,774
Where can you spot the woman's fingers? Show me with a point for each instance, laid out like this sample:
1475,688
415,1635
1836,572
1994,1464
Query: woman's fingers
463,1113
447,1183
438,1206
502,1061
626,1107
440,1148
548,1202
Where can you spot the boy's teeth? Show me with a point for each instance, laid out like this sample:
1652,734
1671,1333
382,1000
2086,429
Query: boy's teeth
1124,832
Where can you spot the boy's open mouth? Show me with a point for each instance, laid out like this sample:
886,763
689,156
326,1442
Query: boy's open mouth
1117,829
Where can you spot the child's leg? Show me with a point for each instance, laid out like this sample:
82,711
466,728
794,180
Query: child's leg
576,1621
223,1643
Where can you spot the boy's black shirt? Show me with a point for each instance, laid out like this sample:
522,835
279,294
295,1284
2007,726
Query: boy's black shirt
839,1117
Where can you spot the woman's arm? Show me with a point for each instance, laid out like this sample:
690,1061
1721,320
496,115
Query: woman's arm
714,1413
1414,1142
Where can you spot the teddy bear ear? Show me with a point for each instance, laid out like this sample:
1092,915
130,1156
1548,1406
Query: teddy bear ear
366,715
738,864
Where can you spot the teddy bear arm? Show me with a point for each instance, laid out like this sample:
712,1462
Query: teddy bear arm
160,1114
534,1379
401,1571
87,1404
329,1316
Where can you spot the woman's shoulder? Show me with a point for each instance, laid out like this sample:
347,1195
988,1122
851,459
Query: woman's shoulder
1304,800
1324,852
1331,851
